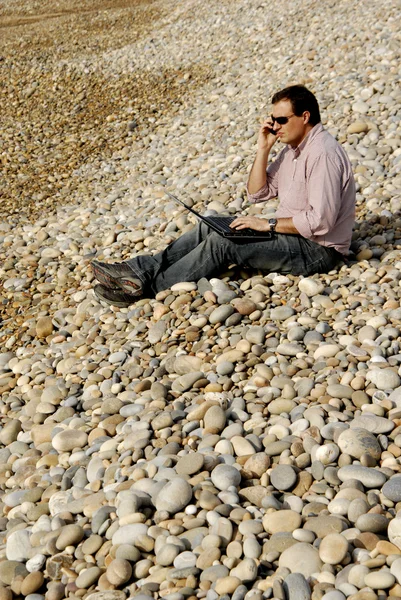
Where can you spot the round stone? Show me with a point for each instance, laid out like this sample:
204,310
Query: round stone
369,477
384,379
356,442
174,496
283,477
119,571
18,546
70,535
311,287
190,463
394,532
215,419
88,577
224,476
333,549
282,521
392,488
67,440
379,580
301,558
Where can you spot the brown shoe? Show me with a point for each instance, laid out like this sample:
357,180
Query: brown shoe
114,297
117,275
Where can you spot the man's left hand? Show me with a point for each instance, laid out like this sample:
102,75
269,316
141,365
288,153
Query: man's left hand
251,223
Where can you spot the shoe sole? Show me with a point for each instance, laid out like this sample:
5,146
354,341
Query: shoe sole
118,303
124,283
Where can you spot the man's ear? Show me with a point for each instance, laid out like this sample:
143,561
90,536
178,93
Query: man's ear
306,116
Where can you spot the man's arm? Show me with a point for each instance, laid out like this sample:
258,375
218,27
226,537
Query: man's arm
257,177
258,224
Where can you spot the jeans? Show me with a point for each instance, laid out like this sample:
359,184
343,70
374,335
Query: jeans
202,252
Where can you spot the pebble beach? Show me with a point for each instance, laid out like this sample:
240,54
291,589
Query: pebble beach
234,438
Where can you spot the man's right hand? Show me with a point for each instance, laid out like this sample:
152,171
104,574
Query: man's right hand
266,137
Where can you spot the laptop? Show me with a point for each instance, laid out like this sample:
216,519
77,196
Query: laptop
222,226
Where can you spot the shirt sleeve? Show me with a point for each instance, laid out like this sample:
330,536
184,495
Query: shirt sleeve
324,198
270,189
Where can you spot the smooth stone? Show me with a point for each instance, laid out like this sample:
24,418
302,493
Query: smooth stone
174,496
281,313
246,570
257,464
379,580
333,549
324,525
281,521
215,419
394,532
301,558
372,522
70,535
186,364
186,382
256,334
369,477
221,313
356,575
276,448
340,391
327,454
296,587
283,477
289,349
18,546
185,560
190,463
227,585
88,577
395,569
384,379
242,446
310,287
184,286
157,331
326,350
372,423
392,488
358,441
44,327
119,571
224,476
67,440
32,583
10,431
129,534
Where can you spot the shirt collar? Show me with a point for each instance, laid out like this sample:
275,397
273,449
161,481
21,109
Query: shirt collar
311,135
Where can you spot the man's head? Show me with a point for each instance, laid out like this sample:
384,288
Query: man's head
300,107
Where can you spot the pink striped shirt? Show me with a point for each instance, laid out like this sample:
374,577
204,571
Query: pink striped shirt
315,186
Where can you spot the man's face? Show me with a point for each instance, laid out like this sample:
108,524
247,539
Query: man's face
296,128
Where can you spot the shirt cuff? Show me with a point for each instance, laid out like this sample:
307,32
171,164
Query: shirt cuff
301,223
262,194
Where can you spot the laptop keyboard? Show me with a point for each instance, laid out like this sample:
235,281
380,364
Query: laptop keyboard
224,224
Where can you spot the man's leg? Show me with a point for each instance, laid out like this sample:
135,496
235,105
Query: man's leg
211,254
148,267
135,274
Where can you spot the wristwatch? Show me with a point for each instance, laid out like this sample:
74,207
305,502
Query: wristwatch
273,224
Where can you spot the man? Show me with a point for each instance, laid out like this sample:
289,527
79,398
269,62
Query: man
313,180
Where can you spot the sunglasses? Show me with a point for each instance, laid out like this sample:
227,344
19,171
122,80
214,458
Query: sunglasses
281,120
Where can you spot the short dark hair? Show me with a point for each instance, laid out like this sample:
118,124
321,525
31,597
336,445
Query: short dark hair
301,99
